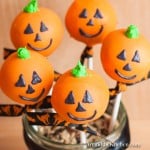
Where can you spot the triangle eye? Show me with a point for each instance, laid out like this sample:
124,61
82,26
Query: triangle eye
83,14
136,57
28,29
35,78
20,82
98,14
43,27
87,98
122,55
70,98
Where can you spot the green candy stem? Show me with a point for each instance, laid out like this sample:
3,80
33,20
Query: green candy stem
79,70
31,7
132,32
23,53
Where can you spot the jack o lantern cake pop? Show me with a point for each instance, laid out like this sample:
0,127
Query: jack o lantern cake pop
37,28
26,77
125,55
80,95
89,21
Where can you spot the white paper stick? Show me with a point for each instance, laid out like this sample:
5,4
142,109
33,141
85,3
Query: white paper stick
82,133
90,63
115,112
83,137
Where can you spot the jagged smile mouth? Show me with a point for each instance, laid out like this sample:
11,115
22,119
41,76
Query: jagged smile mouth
81,119
33,99
83,33
40,49
123,76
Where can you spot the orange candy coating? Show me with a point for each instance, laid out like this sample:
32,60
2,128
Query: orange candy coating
26,81
70,96
26,31
125,59
89,21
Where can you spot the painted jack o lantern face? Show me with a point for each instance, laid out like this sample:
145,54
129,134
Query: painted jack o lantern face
126,61
89,21
80,99
87,99
29,88
40,30
26,77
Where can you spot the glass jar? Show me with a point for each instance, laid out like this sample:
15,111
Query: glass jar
119,139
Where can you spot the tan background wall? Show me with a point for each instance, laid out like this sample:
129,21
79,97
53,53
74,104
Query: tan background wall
136,98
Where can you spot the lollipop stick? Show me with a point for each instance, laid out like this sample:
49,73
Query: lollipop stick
83,137
87,54
115,112
90,66
90,63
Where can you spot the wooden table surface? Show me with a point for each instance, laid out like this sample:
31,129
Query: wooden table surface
136,98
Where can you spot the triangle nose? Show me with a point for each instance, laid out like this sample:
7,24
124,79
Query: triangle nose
30,90
90,23
80,108
37,38
127,67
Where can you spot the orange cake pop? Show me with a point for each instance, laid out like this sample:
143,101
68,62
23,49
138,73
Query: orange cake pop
89,21
38,29
125,55
26,77
80,95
